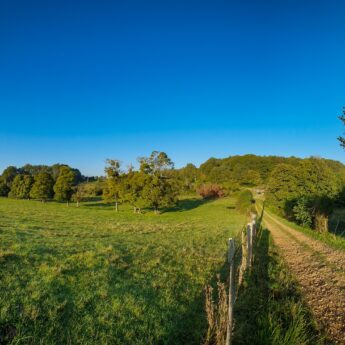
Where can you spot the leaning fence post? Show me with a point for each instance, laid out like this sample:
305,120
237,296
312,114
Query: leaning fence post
231,255
249,245
244,256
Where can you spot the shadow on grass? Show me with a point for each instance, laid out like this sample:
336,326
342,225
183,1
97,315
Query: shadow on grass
270,309
186,205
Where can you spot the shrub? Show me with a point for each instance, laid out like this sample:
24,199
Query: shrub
210,191
245,201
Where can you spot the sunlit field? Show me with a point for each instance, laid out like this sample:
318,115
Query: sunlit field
90,275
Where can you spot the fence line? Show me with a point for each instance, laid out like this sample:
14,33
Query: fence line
246,262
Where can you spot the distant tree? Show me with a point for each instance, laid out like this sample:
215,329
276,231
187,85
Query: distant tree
189,176
282,185
64,184
21,187
156,163
252,178
42,188
80,193
114,188
316,178
9,174
4,189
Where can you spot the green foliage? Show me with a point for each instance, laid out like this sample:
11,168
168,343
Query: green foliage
158,192
245,201
113,190
21,186
63,187
4,189
303,191
9,174
282,184
302,212
189,176
42,188
82,276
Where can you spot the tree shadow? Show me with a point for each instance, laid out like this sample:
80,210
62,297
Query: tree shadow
186,205
270,307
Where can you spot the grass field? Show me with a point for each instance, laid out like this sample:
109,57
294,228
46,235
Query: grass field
90,276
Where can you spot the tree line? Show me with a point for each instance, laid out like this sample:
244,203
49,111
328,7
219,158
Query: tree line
40,182
300,189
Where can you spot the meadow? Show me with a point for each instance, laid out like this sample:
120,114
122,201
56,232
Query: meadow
89,275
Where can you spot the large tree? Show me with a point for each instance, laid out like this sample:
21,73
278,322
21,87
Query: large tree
21,187
158,190
64,184
42,188
9,174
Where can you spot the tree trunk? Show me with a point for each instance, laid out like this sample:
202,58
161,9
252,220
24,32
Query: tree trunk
77,203
116,206
67,203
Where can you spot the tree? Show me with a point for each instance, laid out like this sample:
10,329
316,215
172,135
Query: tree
252,178
158,192
42,188
9,174
21,187
342,119
63,187
189,176
114,188
156,163
4,189
133,185
282,185
158,189
80,193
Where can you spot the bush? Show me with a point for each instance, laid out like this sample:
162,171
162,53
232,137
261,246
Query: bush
245,201
302,212
210,191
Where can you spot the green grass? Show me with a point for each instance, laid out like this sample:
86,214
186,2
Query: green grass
90,276
270,309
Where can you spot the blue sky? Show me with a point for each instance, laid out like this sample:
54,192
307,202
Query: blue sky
82,81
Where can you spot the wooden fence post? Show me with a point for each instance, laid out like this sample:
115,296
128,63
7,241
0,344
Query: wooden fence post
244,256
231,255
249,245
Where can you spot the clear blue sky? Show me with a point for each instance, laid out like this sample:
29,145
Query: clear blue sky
82,81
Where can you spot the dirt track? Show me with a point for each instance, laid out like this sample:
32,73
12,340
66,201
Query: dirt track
320,272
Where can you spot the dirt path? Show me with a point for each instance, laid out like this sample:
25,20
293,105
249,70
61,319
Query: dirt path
320,272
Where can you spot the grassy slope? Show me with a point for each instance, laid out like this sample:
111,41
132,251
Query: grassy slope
90,276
